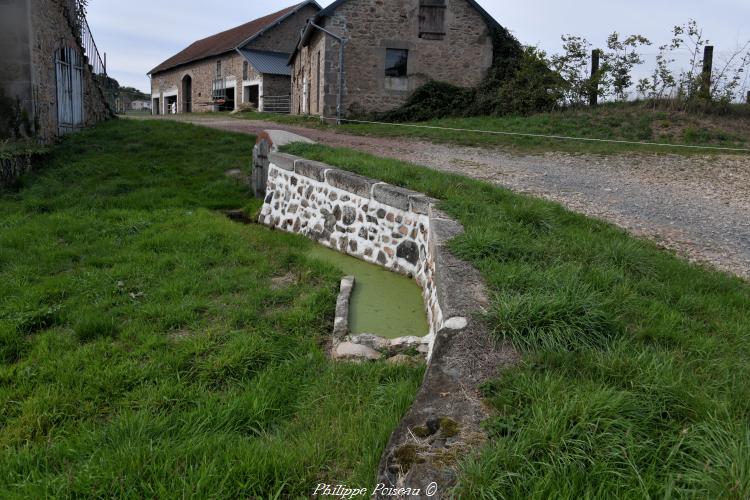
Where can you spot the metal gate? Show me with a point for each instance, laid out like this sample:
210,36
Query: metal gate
69,72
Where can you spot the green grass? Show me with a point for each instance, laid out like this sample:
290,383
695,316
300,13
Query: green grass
143,349
622,122
635,381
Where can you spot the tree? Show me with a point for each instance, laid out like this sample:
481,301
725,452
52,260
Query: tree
619,62
573,67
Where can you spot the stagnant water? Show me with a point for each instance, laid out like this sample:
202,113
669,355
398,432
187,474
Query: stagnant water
383,303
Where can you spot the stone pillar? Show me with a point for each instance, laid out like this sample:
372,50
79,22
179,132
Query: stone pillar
260,166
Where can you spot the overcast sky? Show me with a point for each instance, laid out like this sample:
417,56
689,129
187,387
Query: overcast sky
139,34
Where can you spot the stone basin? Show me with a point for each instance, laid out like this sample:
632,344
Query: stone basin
383,303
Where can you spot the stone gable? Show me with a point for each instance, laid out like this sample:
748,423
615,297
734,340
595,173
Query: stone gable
460,57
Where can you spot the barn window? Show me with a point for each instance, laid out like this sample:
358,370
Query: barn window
432,19
244,70
218,68
396,62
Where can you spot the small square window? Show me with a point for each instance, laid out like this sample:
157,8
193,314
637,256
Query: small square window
396,62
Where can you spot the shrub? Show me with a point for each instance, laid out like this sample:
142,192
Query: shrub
430,101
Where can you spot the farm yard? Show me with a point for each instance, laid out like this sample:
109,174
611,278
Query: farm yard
374,249
153,347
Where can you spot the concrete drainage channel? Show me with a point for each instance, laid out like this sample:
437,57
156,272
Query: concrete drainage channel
404,232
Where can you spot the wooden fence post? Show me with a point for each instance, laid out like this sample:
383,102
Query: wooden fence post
594,91
708,65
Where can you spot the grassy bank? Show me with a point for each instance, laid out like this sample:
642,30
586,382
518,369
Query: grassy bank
634,379
621,122
151,348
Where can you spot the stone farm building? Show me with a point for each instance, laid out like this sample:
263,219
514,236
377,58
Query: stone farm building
242,67
52,78
391,47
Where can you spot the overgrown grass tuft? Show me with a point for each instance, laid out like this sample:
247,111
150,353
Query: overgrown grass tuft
143,349
634,381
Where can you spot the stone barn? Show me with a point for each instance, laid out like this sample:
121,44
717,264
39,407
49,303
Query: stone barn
244,67
391,47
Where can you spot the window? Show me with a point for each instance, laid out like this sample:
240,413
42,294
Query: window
244,70
396,62
218,68
432,19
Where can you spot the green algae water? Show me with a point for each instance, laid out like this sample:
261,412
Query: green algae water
383,303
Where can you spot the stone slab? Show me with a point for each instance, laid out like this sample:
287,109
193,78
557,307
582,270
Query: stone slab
392,196
283,161
347,181
312,169
281,138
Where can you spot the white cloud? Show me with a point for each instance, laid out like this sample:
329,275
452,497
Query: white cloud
139,34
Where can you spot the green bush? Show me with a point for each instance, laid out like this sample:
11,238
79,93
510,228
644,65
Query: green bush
431,101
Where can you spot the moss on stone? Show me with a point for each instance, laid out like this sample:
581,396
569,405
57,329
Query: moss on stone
449,427
407,456
421,431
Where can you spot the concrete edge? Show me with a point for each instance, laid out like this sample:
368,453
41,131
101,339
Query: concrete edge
341,323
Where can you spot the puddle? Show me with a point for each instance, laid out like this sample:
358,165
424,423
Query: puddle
383,303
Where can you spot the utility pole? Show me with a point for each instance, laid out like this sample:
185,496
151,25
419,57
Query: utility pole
594,92
708,65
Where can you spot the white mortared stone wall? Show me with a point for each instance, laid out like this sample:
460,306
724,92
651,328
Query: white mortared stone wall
371,220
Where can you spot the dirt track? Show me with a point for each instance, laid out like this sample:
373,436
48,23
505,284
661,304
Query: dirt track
698,206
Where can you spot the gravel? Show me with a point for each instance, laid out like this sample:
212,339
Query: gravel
698,206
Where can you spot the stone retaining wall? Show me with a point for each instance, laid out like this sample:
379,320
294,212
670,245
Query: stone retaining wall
376,222
404,231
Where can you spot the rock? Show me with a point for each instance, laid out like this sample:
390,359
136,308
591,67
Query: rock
350,351
370,340
409,251
402,344
350,215
381,258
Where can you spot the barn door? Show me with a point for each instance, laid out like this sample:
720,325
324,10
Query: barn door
69,80
432,19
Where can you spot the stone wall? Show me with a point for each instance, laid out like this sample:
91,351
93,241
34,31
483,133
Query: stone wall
284,37
314,65
462,57
15,47
376,222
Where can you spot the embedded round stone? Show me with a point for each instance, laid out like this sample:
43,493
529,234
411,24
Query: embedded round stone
351,351
349,216
409,251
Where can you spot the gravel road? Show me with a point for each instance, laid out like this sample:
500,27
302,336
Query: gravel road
698,206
